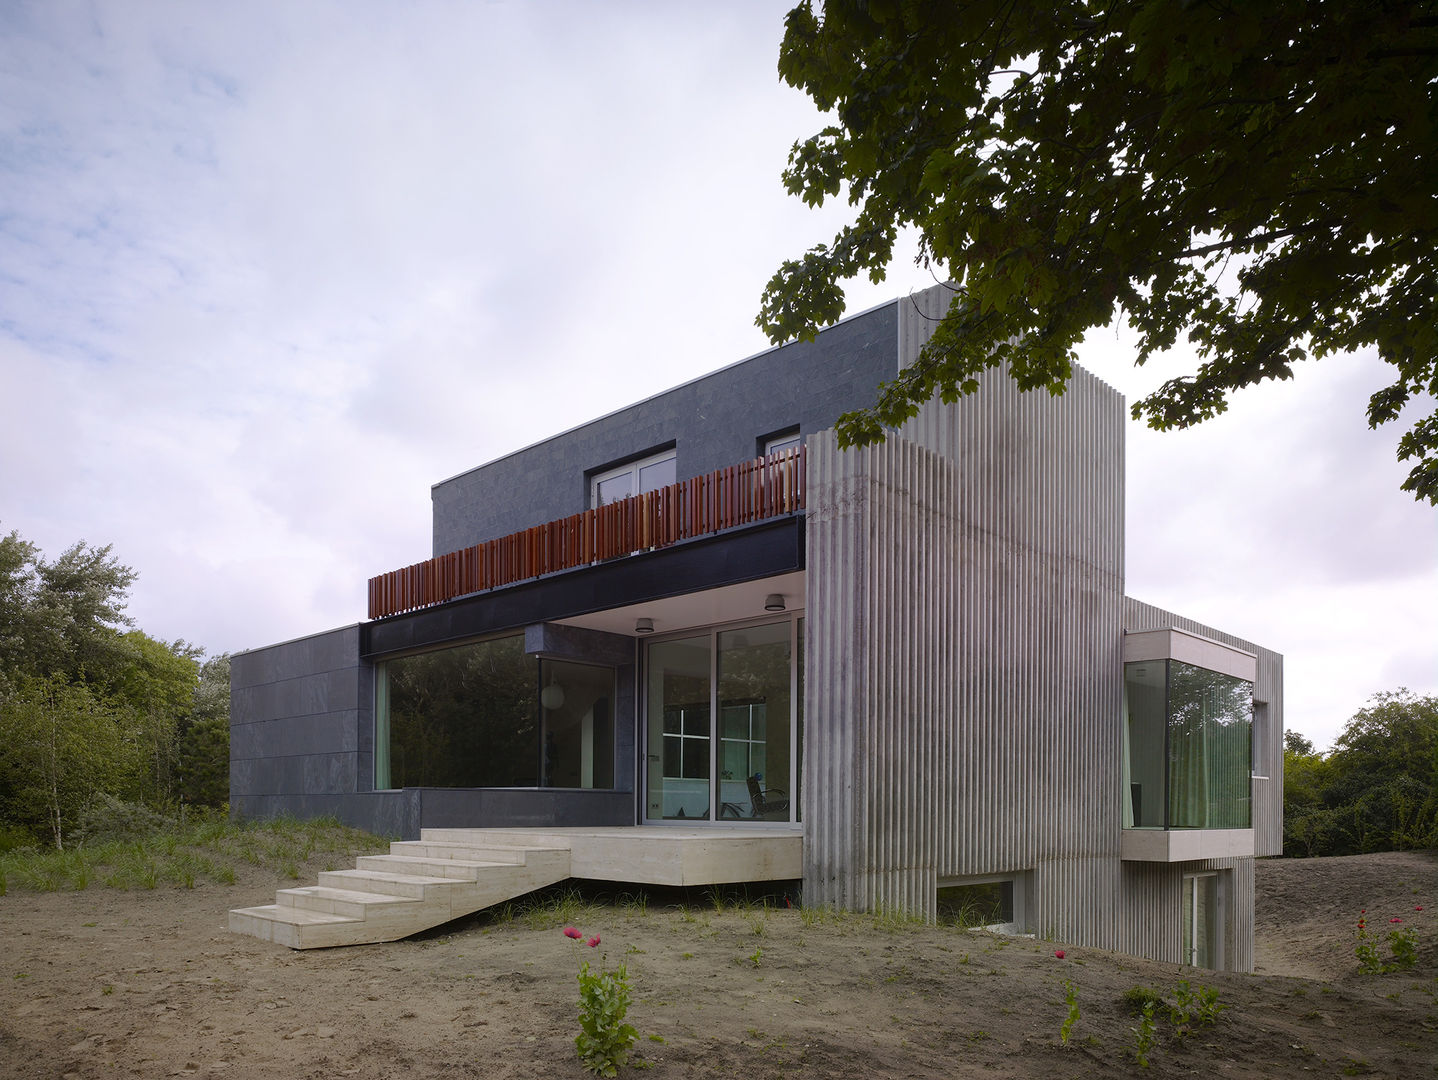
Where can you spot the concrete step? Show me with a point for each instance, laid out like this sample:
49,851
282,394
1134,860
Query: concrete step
383,881
349,902
422,884
289,926
502,838
430,849
458,869
292,915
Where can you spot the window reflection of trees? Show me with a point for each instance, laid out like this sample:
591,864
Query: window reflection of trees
465,717
1210,719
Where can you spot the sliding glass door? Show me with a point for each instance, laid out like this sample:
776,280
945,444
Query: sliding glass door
742,766
680,688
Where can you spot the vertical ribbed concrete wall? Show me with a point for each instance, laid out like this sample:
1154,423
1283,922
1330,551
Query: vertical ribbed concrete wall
963,675
1153,910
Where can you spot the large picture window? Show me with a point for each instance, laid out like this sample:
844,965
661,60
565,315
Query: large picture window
487,714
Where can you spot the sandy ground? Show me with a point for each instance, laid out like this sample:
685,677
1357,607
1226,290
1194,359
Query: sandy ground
150,984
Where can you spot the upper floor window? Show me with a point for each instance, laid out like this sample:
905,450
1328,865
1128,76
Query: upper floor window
784,440
632,478
1187,751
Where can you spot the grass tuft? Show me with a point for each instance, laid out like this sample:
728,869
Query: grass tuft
180,852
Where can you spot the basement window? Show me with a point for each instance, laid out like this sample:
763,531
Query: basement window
989,902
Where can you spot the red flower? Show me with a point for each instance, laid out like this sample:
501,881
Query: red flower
570,932
1417,907
1395,919
592,942
1059,953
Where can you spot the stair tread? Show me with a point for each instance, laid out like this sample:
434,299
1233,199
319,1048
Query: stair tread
479,865
472,852
385,875
352,895
486,838
295,916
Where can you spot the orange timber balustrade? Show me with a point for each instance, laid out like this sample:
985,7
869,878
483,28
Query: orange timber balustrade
734,495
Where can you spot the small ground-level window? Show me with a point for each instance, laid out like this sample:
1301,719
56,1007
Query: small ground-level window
994,902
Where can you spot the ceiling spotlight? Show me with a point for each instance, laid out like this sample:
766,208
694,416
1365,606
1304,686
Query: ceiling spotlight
774,602
644,626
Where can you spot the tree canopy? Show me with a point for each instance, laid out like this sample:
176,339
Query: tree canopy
1259,178
1377,790
90,705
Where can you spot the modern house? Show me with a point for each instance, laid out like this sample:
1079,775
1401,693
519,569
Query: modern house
701,636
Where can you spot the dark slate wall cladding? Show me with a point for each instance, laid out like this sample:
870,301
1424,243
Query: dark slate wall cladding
712,422
301,722
388,813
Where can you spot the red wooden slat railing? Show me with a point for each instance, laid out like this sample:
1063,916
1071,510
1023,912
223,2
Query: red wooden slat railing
734,495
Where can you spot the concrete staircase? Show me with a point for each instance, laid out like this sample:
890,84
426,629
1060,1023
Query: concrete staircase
445,874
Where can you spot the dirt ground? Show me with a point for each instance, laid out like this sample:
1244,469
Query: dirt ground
150,984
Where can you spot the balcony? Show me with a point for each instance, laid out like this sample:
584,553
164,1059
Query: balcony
727,498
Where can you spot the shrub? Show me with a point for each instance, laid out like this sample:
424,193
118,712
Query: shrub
16,836
108,820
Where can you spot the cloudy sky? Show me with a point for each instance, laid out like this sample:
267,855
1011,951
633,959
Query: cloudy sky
270,270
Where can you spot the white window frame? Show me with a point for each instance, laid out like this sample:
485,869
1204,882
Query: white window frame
630,467
775,443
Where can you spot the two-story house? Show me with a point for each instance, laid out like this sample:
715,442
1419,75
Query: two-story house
697,617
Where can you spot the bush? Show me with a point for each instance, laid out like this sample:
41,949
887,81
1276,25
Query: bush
16,836
108,820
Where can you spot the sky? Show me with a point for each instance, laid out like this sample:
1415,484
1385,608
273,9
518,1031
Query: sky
269,271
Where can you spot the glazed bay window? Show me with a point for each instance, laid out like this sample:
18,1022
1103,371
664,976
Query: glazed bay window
487,714
1188,731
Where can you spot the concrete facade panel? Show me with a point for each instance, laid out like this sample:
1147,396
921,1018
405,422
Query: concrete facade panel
963,670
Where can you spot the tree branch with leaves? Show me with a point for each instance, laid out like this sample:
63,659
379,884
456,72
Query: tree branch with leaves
1258,179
